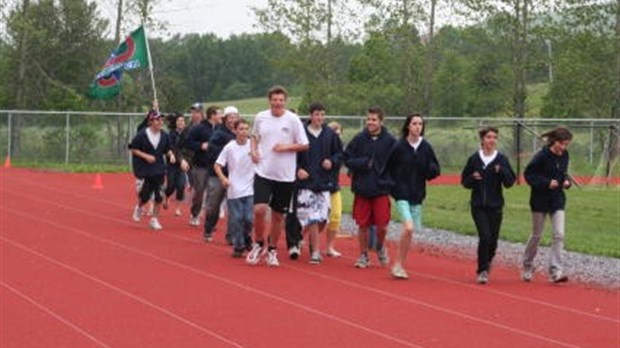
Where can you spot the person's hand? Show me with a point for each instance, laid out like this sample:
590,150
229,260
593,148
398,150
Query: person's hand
255,157
497,168
225,182
326,164
150,158
204,146
184,165
302,174
566,184
173,159
554,184
476,175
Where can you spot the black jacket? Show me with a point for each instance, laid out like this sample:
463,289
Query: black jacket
544,167
142,168
325,146
487,192
410,169
335,172
367,159
199,134
221,136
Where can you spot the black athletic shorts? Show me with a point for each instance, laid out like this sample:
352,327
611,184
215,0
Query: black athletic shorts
277,194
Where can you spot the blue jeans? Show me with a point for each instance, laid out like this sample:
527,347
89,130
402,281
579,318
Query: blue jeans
241,221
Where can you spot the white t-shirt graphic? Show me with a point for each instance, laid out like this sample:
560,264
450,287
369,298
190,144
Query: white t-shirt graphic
240,169
271,130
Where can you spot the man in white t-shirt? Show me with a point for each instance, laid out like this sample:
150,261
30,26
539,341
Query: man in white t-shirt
277,136
235,156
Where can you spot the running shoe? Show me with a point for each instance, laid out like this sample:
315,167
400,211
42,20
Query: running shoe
253,256
527,275
399,272
483,277
362,261
333,253
272,258
194,221
316,258
558,277
293,253
154,224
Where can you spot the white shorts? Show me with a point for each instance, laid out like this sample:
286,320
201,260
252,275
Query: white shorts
312,207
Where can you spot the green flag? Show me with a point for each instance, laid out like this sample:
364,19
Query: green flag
129,55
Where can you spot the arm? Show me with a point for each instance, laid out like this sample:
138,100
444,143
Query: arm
467,178
507,174
353,161
290,147
220,174
145,156
533,174
434,170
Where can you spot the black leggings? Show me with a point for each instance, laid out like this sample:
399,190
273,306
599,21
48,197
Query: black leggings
175,183
488,222
151,186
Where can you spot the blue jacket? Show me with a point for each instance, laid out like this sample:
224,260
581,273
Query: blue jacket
221,136
487,192
544,167
325,146
142,168
410,169
199,134
367,159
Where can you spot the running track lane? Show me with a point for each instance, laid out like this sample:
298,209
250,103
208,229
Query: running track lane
299,293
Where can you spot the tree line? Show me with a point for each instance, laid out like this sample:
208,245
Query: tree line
395,55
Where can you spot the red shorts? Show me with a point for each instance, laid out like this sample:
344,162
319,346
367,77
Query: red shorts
371,211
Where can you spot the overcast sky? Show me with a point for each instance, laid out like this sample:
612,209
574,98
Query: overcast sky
222,17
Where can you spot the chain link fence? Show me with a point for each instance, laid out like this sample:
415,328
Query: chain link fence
48,137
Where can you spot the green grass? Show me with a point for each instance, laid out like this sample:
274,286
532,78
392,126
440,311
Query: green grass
251,106
592,216
73,167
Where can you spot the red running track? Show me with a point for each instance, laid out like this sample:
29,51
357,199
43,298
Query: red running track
76,271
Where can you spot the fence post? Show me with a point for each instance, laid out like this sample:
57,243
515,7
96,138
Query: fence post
591,141
10,125
67,135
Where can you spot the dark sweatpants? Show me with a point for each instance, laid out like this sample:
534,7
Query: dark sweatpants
488,222
176,183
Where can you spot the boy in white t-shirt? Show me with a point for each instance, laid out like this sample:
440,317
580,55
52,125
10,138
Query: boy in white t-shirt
236,157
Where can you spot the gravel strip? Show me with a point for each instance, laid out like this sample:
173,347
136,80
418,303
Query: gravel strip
595,270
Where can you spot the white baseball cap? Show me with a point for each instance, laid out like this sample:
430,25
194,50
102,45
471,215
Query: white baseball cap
230,110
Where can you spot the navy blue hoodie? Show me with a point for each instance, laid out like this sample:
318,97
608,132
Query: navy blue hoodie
142,168
487,192
325,146
221,136
199,134
544,167
411,168
367,159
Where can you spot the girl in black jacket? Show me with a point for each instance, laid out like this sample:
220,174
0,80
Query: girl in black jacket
485,173
148,148
547,175
412,163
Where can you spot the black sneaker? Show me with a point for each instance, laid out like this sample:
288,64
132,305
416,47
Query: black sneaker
237,254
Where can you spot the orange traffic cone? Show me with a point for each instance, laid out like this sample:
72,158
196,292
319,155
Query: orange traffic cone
98,182
7,162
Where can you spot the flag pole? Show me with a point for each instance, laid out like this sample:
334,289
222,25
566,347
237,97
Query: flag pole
148,55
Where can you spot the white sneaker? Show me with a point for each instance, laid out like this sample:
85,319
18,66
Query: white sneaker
333,253
194,221
293,253
254,255
154,224
527,274
272,258
316,258
137,213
